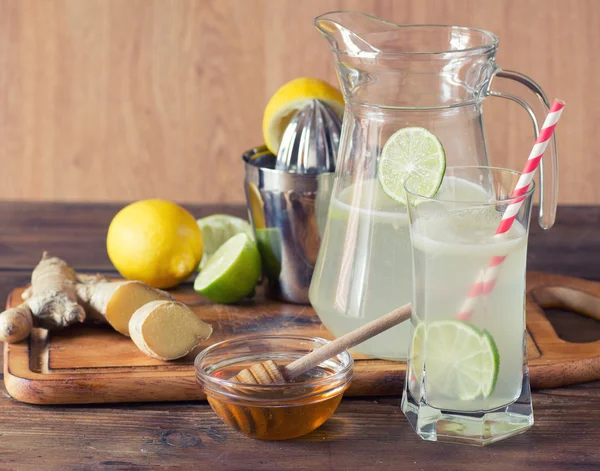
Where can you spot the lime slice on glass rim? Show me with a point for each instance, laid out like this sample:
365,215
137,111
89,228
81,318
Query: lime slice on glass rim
232,272
461,360
411,152
218,229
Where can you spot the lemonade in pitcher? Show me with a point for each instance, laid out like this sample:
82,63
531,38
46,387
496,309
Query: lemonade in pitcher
365,268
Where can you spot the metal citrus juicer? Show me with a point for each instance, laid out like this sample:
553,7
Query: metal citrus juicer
288,198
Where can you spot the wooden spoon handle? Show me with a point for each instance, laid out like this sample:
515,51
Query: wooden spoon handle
337,346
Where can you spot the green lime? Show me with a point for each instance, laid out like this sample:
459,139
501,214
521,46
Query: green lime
460,360
232,272
218,229
268,241
416,358
411,152
416,350
489,345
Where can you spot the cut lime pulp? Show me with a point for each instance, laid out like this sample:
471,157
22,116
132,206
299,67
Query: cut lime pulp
218,229
232,272
414,153
460,360
416,356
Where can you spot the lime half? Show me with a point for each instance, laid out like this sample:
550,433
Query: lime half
411,152
460,360
232,272
218,229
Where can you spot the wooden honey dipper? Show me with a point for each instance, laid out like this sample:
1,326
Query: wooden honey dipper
269,372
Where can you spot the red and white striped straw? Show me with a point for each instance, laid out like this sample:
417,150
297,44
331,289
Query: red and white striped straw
485,283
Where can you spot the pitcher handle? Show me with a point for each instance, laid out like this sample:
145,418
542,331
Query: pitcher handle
537,110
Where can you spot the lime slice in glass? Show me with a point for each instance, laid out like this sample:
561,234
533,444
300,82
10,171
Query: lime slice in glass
218,229
493,361
232,272
411,152
416,358
460,360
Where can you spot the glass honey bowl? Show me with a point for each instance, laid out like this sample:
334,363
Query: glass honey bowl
272,411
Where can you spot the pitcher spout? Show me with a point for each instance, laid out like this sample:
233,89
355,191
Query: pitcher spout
389,64
360,34
345,29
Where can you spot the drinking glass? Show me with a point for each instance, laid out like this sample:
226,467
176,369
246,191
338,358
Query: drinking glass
467,377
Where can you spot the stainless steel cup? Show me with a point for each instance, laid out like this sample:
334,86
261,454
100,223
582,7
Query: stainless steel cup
288,212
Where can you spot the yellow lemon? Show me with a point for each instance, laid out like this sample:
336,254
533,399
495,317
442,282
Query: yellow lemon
156,242
292,96
256,206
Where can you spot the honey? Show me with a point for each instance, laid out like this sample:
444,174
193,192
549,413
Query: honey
272,411
283,418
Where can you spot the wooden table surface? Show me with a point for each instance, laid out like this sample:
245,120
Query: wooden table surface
362,434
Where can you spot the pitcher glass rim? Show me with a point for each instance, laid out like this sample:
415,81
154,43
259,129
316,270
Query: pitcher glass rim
495,201
481,49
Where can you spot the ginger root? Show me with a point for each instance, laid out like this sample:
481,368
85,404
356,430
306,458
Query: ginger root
167,330
15,324
58,297
115,302
51,302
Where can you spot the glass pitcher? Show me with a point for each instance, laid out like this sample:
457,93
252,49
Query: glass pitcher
393,76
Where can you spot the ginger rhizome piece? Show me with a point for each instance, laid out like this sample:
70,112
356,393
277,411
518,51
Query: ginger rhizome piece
51,302
115,302
167,330
15,324
58,297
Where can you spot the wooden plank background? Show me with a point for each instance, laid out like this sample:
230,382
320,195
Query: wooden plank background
126,99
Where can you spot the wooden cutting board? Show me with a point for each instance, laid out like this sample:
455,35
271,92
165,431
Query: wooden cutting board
85,364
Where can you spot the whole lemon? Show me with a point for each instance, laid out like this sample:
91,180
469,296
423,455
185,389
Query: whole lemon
156,242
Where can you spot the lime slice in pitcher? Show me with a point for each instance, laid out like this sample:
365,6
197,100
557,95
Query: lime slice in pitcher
411,152
460,360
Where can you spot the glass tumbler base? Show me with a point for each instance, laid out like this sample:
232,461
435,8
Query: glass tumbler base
470,428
